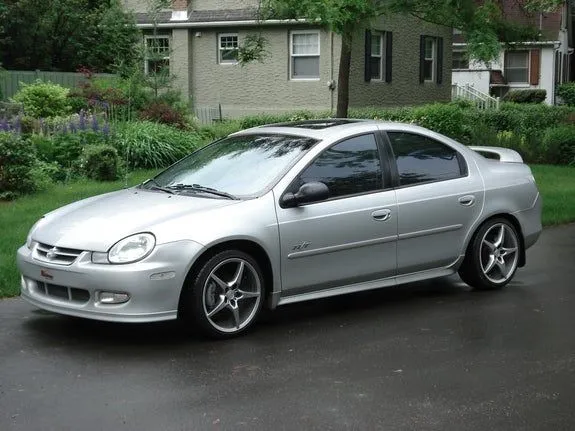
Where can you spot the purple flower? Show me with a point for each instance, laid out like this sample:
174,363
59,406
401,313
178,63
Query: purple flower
95,127
4,126
82,123
106,129
18,124
73,128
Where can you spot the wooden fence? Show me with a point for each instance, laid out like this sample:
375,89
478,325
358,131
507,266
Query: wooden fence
10,79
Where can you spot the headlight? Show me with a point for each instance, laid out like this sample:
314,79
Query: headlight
131,249
30,232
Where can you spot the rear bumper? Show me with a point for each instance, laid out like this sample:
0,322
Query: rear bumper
530,221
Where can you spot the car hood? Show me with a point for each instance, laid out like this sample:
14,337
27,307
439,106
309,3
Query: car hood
99,222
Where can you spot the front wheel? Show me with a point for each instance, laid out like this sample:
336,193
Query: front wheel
492,256
225,296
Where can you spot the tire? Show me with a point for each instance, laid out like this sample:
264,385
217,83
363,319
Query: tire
224,298
492,256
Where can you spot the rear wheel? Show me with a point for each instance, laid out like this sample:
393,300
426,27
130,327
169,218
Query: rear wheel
492,256
225,297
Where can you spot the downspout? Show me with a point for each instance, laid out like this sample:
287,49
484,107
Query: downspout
330,84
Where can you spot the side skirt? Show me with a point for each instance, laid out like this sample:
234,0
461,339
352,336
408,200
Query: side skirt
370,285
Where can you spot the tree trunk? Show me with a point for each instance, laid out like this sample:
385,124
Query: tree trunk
343,78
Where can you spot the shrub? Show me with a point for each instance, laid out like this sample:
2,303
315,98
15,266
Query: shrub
163,113
17,160
144,144
43,99
567,93
525,96
559,145
100,162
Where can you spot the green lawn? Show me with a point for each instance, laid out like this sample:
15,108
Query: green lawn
556,183
557,186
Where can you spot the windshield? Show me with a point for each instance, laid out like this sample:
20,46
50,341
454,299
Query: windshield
239,165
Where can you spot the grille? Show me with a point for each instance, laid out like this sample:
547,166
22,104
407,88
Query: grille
56,255
65,293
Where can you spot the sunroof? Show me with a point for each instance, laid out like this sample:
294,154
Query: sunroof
313,124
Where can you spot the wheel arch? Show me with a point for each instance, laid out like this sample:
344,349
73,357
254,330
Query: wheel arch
511,219
247,246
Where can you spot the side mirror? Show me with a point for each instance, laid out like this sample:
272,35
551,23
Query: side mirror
308,193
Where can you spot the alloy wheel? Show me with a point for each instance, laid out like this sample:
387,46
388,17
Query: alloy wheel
499,253
231,295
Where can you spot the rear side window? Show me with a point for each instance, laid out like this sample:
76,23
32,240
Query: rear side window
421,159
348,168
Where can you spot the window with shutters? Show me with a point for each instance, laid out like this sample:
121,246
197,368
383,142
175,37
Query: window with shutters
517,67
378,55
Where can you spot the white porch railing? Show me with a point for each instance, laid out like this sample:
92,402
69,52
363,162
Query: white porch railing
467,92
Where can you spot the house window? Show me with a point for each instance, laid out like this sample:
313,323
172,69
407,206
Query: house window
517,66
460,60
157,55
376,59
228,48
429,57
304,53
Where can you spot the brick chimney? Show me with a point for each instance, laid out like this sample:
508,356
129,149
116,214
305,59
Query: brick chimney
180,10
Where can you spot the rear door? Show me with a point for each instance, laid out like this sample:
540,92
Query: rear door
439,197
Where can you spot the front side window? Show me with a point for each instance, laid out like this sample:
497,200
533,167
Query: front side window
430,49
304,52
157,55
347,168
517,66
376,58
421,159
228,48
239,165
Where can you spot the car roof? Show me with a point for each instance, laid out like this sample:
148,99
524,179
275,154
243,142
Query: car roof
328,128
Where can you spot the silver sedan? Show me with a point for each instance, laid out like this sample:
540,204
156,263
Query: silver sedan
285,213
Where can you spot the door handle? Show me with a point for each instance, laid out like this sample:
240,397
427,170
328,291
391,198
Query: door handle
381,215
467,200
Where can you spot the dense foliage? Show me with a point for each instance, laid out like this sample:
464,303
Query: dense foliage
65,34
566,92
525,96
43,99
100,162
18,165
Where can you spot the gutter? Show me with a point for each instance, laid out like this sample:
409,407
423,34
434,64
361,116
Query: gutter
534,43
244,23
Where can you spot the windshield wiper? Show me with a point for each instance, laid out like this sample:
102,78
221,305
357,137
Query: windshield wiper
203,189
156,186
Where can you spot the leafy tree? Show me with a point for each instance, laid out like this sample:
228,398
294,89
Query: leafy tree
481,22
65,34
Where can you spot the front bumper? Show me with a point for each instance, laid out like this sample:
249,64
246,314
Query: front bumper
152,284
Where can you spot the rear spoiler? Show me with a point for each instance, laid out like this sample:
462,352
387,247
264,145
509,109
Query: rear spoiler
504,155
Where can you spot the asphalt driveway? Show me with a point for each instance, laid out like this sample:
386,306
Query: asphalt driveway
429,356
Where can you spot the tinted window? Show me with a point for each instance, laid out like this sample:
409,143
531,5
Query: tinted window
241,165
421,159
350,167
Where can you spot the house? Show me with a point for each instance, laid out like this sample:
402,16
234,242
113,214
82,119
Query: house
541,64
401,61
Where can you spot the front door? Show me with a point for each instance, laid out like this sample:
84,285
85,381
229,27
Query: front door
349,238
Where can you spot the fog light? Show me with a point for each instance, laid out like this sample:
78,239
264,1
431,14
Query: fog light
113,297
